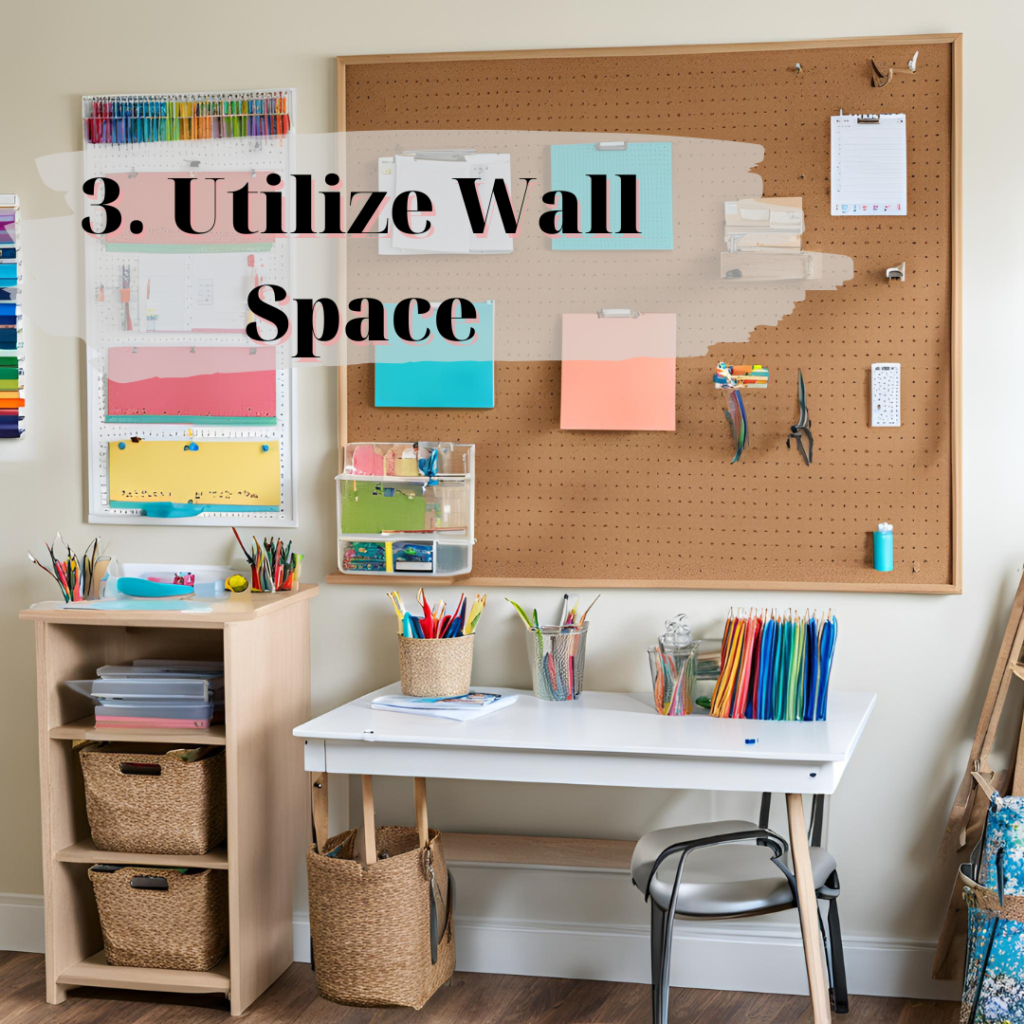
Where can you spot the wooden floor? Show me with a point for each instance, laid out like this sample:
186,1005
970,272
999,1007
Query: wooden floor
470,999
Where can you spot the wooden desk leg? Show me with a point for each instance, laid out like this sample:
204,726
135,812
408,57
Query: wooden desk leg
808,909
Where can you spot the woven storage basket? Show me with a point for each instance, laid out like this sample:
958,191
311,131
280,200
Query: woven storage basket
381,929
435,668
181,928
370,925
181,810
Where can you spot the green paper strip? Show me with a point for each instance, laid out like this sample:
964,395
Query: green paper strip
204,421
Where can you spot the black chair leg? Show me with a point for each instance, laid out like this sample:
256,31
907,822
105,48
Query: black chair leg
661,960
840,996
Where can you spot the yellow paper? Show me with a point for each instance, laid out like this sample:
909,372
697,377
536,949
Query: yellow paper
231,473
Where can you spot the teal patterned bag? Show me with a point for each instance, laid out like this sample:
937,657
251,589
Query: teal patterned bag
994,890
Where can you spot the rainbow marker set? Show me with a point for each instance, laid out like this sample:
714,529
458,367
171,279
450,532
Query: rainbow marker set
12,373
123,120
775,668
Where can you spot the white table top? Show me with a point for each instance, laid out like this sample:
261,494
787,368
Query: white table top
623,724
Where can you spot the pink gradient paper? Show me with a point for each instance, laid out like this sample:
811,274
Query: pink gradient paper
618,373
182,381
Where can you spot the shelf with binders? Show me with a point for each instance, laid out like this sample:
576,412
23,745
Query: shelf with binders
393,523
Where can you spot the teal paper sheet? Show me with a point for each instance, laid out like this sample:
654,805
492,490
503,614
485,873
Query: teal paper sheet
438,374
651,162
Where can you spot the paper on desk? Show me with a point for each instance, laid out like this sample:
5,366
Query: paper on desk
869,165
461,709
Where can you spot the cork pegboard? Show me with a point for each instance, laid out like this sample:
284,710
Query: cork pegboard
648,509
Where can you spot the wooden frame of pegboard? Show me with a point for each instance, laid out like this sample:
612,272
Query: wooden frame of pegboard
856,579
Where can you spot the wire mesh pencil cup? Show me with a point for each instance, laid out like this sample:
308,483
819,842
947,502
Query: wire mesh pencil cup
674,675
556,660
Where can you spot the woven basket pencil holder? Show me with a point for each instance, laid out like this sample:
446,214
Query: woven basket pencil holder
155,803
183,927
435,668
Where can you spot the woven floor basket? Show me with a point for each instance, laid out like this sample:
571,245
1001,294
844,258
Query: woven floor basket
183,810
370,926
435,668
182,928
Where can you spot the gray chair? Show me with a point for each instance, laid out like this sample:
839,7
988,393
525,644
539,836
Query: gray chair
733,869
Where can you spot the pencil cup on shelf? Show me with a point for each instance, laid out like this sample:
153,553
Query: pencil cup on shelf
556,660
435,668
674,668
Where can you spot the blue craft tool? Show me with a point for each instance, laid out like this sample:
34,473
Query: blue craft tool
172,509
135,586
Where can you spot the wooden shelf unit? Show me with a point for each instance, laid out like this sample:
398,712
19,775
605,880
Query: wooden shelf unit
85,852
264,643
85,729
95,970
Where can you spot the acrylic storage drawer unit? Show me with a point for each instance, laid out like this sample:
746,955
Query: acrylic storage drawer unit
406,509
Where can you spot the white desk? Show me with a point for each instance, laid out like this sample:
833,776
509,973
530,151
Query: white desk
607,739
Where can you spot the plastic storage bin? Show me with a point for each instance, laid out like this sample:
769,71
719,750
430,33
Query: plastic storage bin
163,715
159,917
154,803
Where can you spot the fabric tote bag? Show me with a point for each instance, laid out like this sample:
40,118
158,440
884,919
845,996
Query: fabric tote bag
994,890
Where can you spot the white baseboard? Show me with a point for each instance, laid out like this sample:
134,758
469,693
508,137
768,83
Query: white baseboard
751,956
21,923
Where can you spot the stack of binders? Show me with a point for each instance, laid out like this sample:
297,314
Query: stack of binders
12,400
157,694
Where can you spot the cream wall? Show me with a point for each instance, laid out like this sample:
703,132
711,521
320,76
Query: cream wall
928,658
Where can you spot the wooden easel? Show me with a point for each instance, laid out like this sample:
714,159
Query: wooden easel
967,818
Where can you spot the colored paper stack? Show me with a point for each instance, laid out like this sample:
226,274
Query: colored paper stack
12,401
775,667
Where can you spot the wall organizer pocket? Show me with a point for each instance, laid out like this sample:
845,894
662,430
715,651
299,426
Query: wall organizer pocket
407,509
188,418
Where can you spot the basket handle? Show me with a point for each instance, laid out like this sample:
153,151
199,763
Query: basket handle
420,797
318,813
369,827
140,768
318,809
154,883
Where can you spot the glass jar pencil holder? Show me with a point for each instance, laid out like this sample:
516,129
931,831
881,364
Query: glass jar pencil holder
557,656
674,675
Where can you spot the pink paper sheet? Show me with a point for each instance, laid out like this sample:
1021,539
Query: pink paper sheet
173,380
618,373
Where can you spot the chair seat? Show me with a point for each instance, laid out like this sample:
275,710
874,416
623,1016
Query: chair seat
720,881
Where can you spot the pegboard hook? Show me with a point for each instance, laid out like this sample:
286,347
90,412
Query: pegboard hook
897,273
880,79
799,68
613,313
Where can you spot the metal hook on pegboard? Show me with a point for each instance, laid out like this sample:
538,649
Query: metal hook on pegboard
880,79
